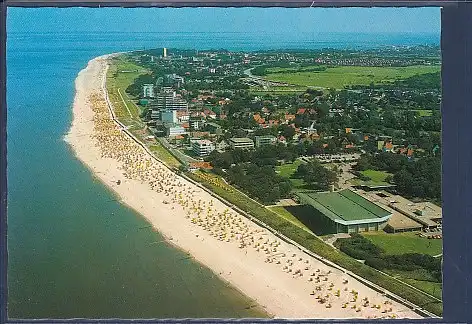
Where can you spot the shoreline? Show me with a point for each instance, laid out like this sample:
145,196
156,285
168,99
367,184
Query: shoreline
280,293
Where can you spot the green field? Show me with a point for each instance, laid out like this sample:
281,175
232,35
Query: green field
339,77
400,243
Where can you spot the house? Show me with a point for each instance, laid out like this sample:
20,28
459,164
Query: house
209,113
221,146
259,119
281,139
289,117
194,166
301,111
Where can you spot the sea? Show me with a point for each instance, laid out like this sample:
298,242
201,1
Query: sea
73,250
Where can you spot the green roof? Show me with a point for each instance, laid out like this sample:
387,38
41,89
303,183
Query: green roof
344,206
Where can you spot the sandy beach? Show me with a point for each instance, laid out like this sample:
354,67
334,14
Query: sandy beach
280,278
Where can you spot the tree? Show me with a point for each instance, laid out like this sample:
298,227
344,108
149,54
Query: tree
287,131
316,175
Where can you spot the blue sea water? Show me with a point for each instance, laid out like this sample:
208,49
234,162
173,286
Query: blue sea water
74,251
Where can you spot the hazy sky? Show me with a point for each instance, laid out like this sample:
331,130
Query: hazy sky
313,20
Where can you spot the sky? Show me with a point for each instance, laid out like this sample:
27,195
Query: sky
264,20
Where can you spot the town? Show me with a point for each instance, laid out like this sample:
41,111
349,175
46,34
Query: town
343,145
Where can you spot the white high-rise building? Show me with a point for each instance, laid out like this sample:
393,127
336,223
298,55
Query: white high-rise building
148,91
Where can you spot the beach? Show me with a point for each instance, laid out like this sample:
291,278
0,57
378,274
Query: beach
276,275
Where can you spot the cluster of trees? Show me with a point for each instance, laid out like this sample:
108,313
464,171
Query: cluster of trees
260,182
316,175
413,178
361,248
136,88
262,156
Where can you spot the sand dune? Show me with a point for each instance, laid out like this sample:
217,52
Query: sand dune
285,281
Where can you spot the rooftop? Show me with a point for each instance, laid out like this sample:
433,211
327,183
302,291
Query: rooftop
240,140
345,206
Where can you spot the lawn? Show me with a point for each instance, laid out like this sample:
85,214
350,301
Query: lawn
400,243
287,170
164,155
339,77
284,213
424,112
376,176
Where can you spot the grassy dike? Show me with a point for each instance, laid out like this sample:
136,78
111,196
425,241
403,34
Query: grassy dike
317,246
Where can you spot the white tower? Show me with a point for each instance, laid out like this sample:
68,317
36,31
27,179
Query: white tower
165,52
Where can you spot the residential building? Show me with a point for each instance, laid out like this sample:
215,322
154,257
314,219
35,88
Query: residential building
168,99
241,143
148,91
265,140
202,147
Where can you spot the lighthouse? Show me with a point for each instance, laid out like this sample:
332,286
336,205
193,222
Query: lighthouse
165,52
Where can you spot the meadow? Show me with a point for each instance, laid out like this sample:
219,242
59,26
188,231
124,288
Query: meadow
341,76
400,243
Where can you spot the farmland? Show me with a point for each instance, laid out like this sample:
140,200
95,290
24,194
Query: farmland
339,77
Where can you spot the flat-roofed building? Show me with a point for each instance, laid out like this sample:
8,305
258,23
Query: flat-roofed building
174,130
168,99
203,147
423,214
241,143
345,211
265,140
